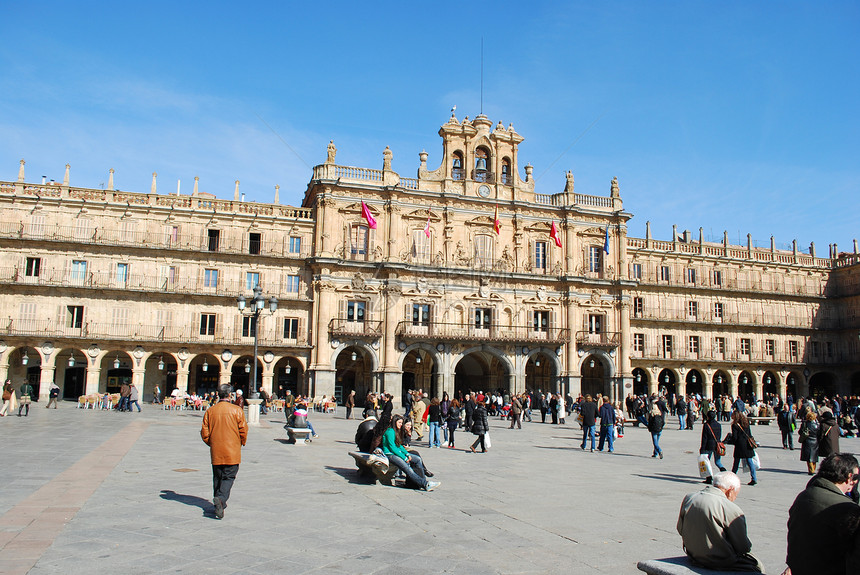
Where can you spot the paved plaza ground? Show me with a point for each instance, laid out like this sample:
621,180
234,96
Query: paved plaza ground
100,492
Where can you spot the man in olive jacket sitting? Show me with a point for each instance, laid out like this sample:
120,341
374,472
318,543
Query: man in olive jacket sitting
714,529
225,432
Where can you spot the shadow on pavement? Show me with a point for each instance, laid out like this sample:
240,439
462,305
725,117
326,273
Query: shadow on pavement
787,471
204,504
351,475
669,477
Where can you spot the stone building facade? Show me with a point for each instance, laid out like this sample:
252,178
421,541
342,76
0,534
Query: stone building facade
467,278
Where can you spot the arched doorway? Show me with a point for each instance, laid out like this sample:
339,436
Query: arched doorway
289,376
242,372
353,372
204,375
594,379
640,381
666,380
855,383
480,371
25,364
116,367
721,384
71,373
745,386
419,372
822,384
693,383
540,373
160,372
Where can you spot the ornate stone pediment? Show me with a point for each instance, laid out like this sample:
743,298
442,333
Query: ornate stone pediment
355,208
491,297
422,216
539,227
483,221
592,231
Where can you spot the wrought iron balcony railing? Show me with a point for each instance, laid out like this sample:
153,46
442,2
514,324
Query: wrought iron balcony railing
443,331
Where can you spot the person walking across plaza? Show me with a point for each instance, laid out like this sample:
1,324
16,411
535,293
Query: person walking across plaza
744,444
808,437
350,403
713,528
828,434
656,422
607,425
53,395
452,421
588,413
516,412
124,393
8,398
480,425
225,431
787,423
710,445
26,393
681,411
133,398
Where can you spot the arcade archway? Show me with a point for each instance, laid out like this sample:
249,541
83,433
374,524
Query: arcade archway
694,383
353,372
480,371
540,373
822,384
594,377
720,383
640,381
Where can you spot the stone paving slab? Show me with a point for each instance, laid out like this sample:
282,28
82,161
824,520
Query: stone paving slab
535,503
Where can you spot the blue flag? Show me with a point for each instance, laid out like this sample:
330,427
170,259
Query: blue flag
606,240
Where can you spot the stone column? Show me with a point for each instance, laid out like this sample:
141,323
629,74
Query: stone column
181,379
758,389
46,378
93,376
733,384
137,377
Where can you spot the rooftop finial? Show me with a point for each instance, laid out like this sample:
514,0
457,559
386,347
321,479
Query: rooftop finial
236,192
152,188
21,171
110,179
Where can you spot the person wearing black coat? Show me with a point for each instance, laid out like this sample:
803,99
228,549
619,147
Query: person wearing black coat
828,434
452,421
468,410
808,436
711,433
655,426
588,413
740,437
786,422
480,426
407,403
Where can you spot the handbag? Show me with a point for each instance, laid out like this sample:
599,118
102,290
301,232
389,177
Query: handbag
750,440
721,447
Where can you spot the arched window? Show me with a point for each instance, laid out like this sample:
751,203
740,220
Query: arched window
507,177
457,172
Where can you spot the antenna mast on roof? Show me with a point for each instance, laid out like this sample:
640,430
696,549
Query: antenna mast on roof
482,74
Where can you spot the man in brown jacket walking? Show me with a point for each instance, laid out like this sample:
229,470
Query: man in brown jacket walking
225,432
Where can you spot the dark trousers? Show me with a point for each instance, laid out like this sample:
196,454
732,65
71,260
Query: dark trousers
348,412
223,477
481,441
787,439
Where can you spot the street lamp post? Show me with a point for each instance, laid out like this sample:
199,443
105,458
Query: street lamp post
257,305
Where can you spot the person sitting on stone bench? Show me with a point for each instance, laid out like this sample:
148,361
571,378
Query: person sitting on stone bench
406,440
398,456
713,528
299,419
368,436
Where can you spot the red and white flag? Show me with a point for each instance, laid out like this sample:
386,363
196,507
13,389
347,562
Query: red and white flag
553,233
365,213
497,223
427,225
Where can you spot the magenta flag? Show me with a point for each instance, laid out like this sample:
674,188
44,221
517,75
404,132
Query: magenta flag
553,233
365,213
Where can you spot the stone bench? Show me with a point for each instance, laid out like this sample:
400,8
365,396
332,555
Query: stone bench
375,466
763,420
680,566
299,433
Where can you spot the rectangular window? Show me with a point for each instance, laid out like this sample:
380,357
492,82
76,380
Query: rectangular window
769,347
172,275
358,242
638,307
746,346
793,350
119,317
667,346
207,324
690,275
814,349
718,310
214,237
249,326
720,346
75,316
637,271
252,280
595,323
254,242
295,245
595,259
541,321
420,246
32,267
540,256
829,346
291,328
639,342
79,271
693,309
693,344
210,278
483,318
293,284
355,311
664,273
421,314
484,246
122,274
717,277
173,235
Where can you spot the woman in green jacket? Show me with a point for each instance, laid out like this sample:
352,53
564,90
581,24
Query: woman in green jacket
406,462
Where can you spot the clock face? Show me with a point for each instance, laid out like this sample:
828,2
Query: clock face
484,191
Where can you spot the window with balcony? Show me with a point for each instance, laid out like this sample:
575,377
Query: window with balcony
358,242
293,283
690,275
483,318
249,326
295,245
541,321
170,275
717,277
828,347
637,271
28,314
595,259
720,346
75,316
421,314
769,348
814,349
595,324
172,235
664,274
355,311
718,310
119,317
638,307
37,226
79,271
420,246
291,328
83,229
122,274
639,342
484,246
540,257
252,280
667,346
32,267
692,309
693,345
214,238
255,241
207,324
746,346
793,348
210,278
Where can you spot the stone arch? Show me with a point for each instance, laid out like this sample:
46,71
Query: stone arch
374,356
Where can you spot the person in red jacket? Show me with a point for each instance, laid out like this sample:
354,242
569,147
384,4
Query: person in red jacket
225,431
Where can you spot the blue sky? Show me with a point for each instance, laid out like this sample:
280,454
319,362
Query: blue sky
737,116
